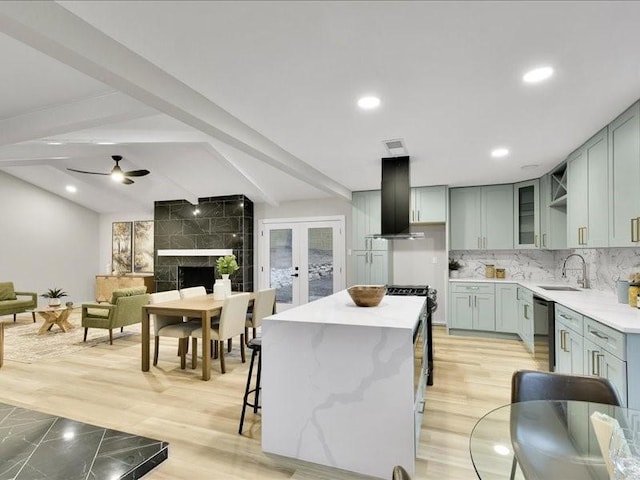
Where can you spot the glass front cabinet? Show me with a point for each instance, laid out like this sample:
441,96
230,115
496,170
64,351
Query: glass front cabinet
526,203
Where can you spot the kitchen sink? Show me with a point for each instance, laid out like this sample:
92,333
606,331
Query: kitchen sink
562,288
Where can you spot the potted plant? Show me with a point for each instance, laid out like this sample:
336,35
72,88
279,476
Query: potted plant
54,295
226,266
454,268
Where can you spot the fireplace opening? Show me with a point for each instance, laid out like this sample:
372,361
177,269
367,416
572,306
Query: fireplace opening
196,276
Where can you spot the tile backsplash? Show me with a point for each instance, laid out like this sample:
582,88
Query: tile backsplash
604,265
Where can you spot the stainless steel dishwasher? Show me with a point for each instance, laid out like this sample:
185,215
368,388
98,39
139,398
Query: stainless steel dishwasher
544,321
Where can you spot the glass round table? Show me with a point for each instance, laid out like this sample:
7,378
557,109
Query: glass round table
557,440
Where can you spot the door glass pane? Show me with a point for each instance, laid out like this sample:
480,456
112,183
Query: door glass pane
320,254
526,227
281,263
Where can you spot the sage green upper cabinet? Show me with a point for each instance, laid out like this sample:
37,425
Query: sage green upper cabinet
624,179
588,194
428,204
480,218
553,210
366,209
526,214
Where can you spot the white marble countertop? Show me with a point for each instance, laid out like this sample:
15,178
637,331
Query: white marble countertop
339,309
595,304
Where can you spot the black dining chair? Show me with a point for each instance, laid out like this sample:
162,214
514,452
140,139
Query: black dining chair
530,385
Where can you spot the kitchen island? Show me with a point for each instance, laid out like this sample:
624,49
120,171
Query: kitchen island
338,384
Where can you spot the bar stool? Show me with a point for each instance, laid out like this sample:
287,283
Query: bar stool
256,347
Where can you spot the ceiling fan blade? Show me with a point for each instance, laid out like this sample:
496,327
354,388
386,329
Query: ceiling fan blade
127,181
91,173
136,173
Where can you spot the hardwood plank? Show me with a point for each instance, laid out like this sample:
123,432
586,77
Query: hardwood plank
104,385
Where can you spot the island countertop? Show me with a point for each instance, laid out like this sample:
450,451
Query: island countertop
339,309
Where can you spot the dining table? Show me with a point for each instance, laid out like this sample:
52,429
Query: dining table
204,307
553,440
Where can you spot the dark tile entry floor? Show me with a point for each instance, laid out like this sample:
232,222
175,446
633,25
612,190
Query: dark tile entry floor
35,445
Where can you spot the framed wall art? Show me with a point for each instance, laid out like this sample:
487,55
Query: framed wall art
121,247
143,246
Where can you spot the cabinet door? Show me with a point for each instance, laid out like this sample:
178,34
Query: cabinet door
428,204
506,309
465,218
624,178
577,199
526,214
379,267
528,326
545,199
461,310
361,268
359,220
497,215
597,154
374,222
485,312
600,362
563,357
574,345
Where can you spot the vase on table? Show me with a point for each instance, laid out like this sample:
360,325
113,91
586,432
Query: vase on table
227,283
219,290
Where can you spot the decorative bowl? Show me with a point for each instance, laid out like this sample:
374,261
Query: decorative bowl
367,295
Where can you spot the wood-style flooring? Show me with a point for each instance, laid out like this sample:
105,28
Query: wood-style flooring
104,385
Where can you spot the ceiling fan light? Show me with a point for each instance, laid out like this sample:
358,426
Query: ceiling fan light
117,176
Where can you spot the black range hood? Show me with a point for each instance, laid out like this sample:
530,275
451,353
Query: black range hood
396,200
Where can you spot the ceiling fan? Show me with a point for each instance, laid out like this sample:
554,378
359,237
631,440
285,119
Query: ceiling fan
116,174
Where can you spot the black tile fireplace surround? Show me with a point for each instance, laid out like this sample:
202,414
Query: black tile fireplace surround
222,222
189,276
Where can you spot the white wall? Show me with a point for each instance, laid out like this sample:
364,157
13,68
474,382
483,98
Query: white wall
46,241
413,263
106,219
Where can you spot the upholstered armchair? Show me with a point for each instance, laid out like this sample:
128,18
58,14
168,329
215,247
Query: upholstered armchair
124,309
11,304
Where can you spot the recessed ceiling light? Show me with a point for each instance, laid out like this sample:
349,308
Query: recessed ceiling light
71,189
499,152
537,75
54,143
105,143
369,103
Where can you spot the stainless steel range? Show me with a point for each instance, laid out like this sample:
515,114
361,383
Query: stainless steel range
431,295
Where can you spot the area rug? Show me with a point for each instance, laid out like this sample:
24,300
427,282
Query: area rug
23,344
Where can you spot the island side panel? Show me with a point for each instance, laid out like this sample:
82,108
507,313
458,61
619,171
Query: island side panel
339,395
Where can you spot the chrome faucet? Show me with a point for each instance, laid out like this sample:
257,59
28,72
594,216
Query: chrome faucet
583,282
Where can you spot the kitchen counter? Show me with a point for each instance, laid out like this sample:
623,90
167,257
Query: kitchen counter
338,383
595,304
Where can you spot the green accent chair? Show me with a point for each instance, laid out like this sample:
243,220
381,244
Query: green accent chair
124,309
11,304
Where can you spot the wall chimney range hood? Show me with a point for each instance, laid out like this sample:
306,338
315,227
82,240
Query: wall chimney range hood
396,199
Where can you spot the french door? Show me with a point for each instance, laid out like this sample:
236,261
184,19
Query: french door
303,259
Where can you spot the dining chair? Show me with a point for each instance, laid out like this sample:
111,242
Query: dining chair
232,321
170,326
263,306
530,385
191,292
400,473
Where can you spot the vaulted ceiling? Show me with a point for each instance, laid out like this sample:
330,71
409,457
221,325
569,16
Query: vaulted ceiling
259,98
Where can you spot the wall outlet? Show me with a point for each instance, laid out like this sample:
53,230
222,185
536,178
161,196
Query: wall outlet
434,260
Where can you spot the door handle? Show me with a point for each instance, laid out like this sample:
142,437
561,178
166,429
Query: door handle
562,340
475,301
294,275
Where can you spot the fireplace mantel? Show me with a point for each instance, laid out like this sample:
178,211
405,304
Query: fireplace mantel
196,252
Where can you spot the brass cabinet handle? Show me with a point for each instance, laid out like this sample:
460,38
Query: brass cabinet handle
484,242
634,231
469,301
479,244
637,229
418,215
562,340
598,334
535,240
595,362
566,348
544,239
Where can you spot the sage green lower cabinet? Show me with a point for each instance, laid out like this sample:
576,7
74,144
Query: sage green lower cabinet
472,306
506,308
586,347
525,317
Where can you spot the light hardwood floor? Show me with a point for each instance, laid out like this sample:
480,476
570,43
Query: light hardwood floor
104,385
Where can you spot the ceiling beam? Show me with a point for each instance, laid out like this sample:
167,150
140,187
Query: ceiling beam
53,30
69,117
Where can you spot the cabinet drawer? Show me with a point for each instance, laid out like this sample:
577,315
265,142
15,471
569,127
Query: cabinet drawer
571,319
605,337
525,294
468,287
